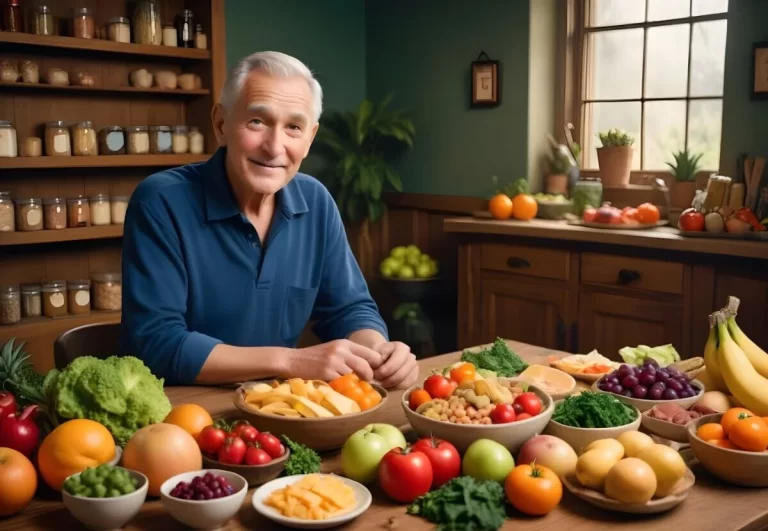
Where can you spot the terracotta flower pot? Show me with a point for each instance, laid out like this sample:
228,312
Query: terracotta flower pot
615,165
557,184
682,194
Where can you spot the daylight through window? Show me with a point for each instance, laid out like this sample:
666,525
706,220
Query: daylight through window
654,68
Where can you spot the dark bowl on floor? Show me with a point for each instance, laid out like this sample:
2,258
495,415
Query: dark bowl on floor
412,290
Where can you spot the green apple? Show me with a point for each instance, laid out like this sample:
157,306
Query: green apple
412,250
487,460
424,271
363,450
406,271
389,267
413,260
425,258
398,252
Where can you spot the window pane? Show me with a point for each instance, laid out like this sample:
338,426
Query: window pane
616,71
705,121
600,117
708,7
666,68
708,58
667,9
614,12
664,132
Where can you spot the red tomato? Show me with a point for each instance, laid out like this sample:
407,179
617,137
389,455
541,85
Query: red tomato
439,386
418,397
590,214
518,409
232,451
404,475
444,458
523,416
211,439
503,413
254,455
245,431
270,444
530,402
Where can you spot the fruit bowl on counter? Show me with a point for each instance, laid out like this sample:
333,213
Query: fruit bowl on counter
553,206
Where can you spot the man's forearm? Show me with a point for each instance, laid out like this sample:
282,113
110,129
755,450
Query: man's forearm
228,364
367,337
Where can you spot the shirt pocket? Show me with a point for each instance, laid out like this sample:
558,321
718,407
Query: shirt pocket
299,303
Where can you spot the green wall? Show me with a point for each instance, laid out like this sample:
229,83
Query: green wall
422,51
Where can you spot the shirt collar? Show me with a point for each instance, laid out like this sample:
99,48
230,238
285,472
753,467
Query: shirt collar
220,200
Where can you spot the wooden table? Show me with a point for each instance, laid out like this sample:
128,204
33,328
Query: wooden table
711,505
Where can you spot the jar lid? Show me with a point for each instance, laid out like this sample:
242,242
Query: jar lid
169,26
180,128
78,199
117,20
111,128
56,123
9,289
78,284
5,123
107,277
43,9
187,12
53,200
82,11
160,128
199,28
119,198
54,285
193,128
136,128
30,289
99,197
85,123
5,193
29,201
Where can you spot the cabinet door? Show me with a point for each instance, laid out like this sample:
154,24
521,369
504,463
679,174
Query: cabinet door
752,292
524,310
610,322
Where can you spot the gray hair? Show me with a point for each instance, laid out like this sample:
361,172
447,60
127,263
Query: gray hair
276,64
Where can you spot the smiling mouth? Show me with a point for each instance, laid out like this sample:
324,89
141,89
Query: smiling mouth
265,165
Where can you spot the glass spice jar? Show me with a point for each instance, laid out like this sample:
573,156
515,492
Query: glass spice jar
100,211
195,140
160,139
10,305
84,142
31,146
201,39
54,298
137,139
118,204
13,16
57,143
111,140
180,139
78,212
31,301
29,214
7,214
147,28
169,35
55,213
44,24
119,29
107,291
9,71
79,297
8,147
185,29
29,72
83,26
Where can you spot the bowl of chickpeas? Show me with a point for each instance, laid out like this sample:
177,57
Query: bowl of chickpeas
499,409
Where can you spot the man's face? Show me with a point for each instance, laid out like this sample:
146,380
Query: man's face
268,132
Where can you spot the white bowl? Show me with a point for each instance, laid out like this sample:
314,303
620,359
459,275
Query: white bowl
204,514
107,513
363,500
580,438
644,405
118,456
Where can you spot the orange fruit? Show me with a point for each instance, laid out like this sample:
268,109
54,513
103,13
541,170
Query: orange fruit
500,206
723,443
524,207
190,417
18,481
711,430
647,213
732,416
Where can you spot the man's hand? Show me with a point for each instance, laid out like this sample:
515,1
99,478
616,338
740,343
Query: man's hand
327,361
399,368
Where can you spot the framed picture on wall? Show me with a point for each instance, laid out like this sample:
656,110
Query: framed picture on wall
485,82
760,71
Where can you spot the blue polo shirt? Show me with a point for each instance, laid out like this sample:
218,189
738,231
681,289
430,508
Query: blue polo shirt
195,273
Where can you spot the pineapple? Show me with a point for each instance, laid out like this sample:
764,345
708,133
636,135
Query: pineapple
18,376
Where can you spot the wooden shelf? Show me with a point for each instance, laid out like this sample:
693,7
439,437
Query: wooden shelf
100,161
154,91
39,325
102,232
98,45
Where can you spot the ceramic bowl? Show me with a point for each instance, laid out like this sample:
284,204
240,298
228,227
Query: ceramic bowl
512,435
665,429
580,438
738,467
321,434
253,474
204,514
644,405
549,379
551,210
108,513
118,456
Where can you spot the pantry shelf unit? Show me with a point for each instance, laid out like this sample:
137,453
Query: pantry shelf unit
119,91
102,232
100,161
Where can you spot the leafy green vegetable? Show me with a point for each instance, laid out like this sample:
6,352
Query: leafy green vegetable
664,355
593,410
18,375
499,359
463,504
303,460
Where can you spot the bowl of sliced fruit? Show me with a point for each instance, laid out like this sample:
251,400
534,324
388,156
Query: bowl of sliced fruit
317,414
506,410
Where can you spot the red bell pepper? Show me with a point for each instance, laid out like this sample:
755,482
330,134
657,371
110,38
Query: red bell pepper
7,404
746,215
19,431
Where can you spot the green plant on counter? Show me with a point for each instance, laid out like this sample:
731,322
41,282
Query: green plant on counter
616,138
511,189
686,165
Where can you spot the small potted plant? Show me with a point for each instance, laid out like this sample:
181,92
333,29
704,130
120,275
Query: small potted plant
562,162
615,158
684,170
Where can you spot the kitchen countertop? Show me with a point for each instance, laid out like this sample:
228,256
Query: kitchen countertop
663,238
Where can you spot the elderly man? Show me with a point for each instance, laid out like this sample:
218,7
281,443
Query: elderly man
226,261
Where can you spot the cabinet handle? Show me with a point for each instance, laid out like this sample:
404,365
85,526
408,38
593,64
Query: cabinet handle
575,337
516,262
627,276
560,334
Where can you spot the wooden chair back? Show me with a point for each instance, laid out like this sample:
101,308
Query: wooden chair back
100,340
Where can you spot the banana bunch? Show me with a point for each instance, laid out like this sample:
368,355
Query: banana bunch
734,363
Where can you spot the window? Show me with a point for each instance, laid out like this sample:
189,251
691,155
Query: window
654,68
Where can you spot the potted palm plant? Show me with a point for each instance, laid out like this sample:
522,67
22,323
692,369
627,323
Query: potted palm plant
615,158
684,170
360,147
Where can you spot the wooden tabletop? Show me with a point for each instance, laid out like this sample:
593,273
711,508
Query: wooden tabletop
711,505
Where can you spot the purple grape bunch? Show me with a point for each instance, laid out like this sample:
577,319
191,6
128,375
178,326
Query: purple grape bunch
648,382
207,487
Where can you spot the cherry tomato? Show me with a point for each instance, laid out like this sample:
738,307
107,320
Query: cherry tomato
533,489
270,444
232,451
749,434
210,439
245,431
418,397
732,416
255,455
439,386
465,371
530,402
518,408
523,416
503,413
444,458
404,474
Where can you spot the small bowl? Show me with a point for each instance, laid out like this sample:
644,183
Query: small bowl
118,456
738,467
107,513
204,514
551,210
644,405
665,429
411,289
253,474
533,372
512,435
580,438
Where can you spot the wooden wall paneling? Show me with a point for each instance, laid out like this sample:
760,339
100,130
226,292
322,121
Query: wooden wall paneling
702,302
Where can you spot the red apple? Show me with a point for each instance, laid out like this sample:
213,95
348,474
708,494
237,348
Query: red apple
549,451
691,221
608,214
590,214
